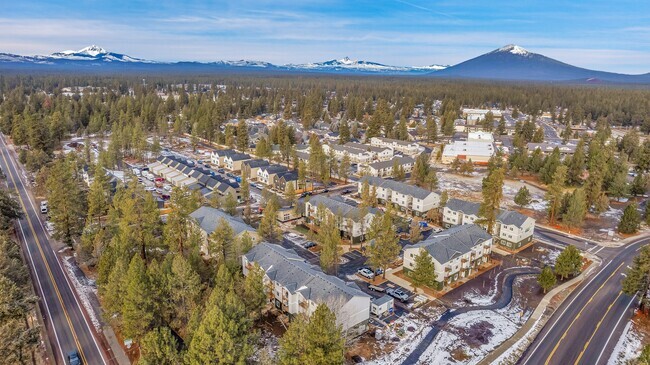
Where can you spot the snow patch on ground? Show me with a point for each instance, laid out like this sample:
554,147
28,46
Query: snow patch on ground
84,287
511,355
613,213
407,332
628,347
550,256
468,338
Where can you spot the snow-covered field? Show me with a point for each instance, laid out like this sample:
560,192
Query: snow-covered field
549,256
406,332
468,338
627,348
84,287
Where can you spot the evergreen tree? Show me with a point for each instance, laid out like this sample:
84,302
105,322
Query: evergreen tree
329,238
221,243
291,194
554,193
99,195
492,194
344,167
10,210
631,219
317,341
576,166
421,169
253,291
576,210
386,247
639,185
66,201
230,205
224,335
431,130
546,279
159,346
636,279
551,164
344,132
431,181
268,228
522,198
423,273
184,292
568,262
137,306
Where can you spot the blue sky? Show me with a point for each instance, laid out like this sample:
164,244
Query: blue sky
605,35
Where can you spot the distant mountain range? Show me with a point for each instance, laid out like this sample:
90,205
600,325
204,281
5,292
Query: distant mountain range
511,63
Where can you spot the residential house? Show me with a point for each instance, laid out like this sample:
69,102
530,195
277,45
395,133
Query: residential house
547,148
457,252
284,179
408,198
376,153
385,168
511,230
266,174
294,286
217,157
234,162
250,168
405,147
351,223
207,219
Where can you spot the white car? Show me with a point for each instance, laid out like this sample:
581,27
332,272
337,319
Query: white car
150,188
366,273
44,208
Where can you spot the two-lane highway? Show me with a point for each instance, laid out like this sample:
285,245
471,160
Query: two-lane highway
67,327
586,327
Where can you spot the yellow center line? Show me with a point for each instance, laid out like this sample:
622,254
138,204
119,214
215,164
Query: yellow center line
47,265
550,356
596,330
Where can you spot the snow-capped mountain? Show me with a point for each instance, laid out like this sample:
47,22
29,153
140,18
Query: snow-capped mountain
348,64
510,62
94,53
513,62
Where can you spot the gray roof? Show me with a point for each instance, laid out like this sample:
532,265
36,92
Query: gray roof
256,163
366,147
225,152
386,164
512,218
411,190
454,242
339,207
274,169
240,156
208,219
297,275
458,205
382,300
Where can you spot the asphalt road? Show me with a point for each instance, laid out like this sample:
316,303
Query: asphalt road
66,326
586,327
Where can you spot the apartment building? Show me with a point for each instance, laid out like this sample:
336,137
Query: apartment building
296,287
350,220
385,168
405,147
207,219
408,198
457,252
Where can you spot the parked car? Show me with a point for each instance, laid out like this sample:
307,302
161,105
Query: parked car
397,294
73,358
379,271
150,188
366,273
376,288
221,171
44,209
346,191
309,244
326,190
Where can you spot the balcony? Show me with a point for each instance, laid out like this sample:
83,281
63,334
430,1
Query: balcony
304,305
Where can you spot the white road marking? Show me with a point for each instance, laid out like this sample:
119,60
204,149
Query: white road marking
564,311
616,325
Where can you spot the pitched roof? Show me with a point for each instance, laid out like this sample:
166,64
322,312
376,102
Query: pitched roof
453,242
273,169
297,275
208,219
386,164
239,156
288,176
256,163
339,207
458,205
224,152
512,218
400,187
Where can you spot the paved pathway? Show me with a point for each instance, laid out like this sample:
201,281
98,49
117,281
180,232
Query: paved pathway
436,326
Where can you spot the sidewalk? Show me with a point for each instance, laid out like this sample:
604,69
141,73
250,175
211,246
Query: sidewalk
528,330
